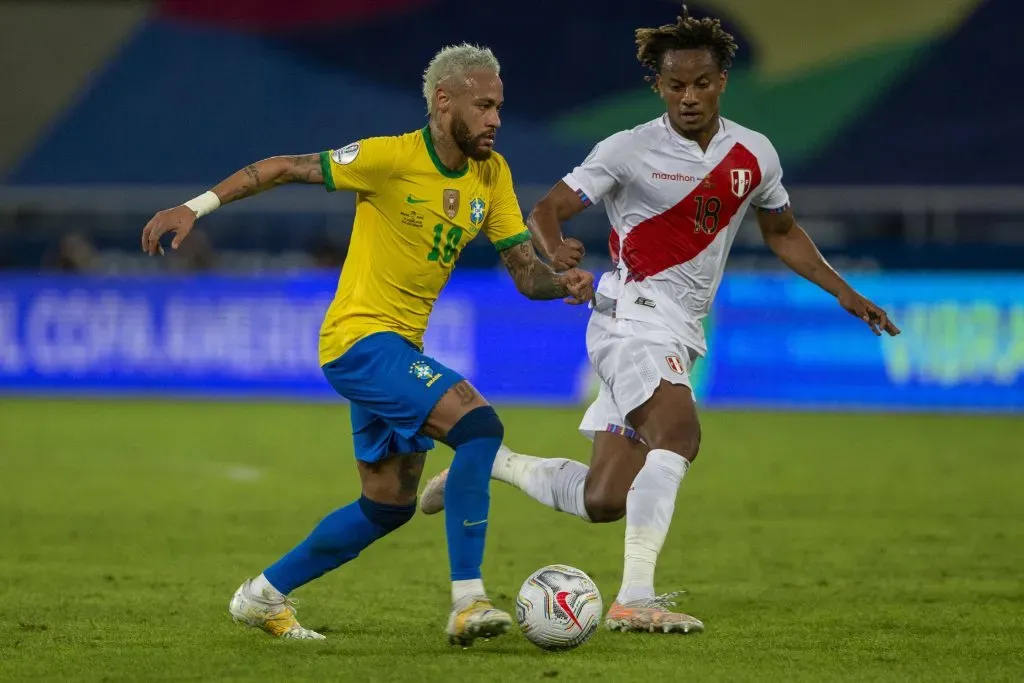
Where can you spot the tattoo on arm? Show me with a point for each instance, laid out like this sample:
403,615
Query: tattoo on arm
263,175
253,173
245,183
534,278
305,168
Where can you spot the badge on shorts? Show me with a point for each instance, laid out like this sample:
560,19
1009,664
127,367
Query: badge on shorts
451,203
422,371
674,364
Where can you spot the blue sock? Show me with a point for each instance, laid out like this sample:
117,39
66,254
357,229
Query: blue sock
338,538
467,494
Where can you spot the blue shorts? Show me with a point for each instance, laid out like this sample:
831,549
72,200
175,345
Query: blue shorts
392,388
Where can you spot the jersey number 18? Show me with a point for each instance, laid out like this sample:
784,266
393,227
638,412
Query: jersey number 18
445,253
707,214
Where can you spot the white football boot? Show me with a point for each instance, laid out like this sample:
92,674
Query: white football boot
273,613
432,498
476,618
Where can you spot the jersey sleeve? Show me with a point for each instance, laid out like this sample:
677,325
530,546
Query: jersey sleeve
770,194
504,225
363,166
604,169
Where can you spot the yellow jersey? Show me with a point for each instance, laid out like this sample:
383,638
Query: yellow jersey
413,217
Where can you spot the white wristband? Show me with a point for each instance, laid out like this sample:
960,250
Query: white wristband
205,203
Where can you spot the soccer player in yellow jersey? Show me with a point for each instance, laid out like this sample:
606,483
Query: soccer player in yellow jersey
420,197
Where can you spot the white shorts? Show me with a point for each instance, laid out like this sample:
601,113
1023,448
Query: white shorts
631,358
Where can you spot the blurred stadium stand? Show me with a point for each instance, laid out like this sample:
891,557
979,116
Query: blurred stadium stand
899,138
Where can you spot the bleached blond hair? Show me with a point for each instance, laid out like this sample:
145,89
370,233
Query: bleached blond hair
453,62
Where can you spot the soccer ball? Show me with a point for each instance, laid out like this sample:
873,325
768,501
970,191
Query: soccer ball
558,607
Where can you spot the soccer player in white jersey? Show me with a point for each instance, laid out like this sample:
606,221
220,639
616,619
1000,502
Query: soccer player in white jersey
675,190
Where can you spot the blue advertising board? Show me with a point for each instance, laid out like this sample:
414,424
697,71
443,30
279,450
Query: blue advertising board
774,340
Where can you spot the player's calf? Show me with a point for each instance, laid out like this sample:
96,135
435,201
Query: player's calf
668,424
471,427
617,459
604,505
594,494
555,482
337,539
475,439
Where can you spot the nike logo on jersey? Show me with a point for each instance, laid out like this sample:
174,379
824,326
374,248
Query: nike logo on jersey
466,522
412,200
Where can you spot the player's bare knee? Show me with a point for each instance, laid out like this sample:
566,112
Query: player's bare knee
602,504
682,437
602,509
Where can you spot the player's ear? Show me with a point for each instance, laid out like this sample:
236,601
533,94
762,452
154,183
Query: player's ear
441,101
657,84
725,79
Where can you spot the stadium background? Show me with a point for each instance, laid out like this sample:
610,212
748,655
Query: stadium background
899,126
902,164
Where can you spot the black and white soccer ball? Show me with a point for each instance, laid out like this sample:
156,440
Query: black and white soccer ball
558,607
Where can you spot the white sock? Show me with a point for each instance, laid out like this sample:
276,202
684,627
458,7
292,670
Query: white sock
264,589
649,507
556,482
466,589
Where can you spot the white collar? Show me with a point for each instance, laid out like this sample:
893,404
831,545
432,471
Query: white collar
691,145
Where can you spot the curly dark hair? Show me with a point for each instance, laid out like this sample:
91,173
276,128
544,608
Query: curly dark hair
688,33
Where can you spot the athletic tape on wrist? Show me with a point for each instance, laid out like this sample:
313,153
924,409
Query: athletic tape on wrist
205,203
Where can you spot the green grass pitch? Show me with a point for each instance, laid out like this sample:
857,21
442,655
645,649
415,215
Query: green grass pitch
815,548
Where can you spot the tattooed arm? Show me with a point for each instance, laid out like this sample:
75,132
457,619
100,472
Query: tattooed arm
537,280
252,179
268,173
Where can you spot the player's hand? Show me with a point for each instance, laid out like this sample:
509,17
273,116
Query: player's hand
876,318
568,254
579,284
178,220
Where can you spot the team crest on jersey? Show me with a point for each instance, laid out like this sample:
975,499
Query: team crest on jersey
741,178
346,155
451,203
674,364
476,211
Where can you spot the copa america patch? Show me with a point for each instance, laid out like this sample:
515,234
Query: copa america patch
346,155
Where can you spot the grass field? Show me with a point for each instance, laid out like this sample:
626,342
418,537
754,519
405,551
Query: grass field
814,547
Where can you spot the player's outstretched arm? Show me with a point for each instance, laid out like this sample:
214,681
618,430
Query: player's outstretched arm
268,173
537,280
252,179
794,247
545,223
